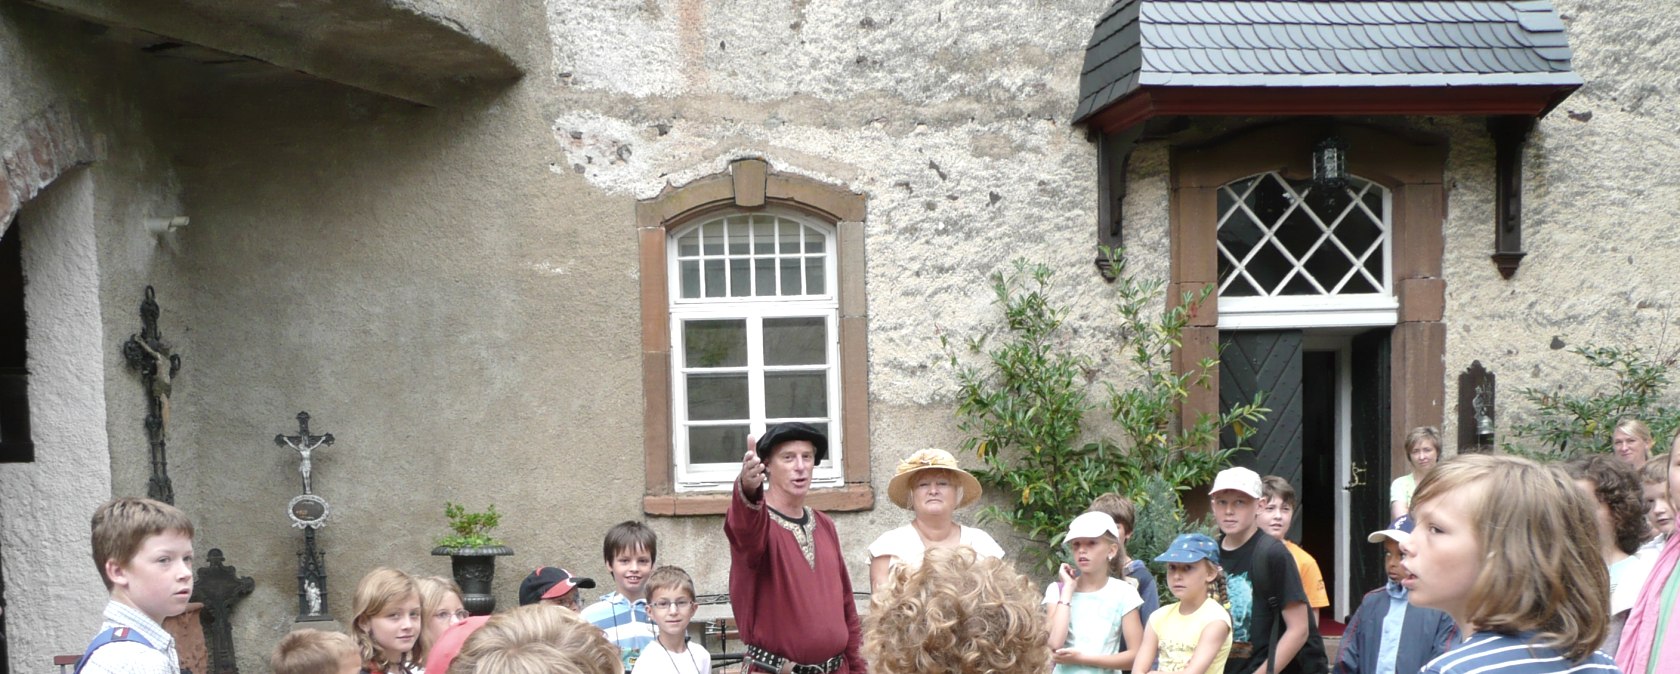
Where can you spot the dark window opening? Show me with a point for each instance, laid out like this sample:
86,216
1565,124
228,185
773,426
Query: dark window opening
16,445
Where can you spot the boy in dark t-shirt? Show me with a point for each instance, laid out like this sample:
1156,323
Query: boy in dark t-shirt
1265,587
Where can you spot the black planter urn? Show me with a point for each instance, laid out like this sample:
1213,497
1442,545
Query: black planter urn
474,569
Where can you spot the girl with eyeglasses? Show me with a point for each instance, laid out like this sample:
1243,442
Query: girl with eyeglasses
440,607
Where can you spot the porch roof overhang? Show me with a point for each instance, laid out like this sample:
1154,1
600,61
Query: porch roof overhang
408,50
1150,58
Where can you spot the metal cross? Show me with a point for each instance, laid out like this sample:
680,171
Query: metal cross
158,364
304,444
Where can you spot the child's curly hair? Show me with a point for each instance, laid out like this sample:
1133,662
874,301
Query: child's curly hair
1617,486
957,613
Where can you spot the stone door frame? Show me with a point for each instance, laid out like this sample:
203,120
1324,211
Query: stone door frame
1411,165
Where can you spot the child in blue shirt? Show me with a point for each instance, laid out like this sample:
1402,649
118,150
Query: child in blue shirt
629,551
1387,635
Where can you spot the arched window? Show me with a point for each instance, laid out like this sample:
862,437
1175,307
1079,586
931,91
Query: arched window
753,312
755,340
1296,253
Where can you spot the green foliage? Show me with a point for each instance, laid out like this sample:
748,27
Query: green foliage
1160,519
470,529
1565,425
1026,412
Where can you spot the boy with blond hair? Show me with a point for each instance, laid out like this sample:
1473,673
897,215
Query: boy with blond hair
670,594
144,552
316,652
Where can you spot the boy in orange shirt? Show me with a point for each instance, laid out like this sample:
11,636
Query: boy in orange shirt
1277,511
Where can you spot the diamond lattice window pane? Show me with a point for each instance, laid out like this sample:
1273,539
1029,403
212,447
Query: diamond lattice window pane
1278,238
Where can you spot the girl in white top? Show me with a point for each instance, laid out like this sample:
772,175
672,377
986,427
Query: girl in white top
931,486
1087,610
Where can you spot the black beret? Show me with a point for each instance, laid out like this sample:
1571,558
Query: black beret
789,431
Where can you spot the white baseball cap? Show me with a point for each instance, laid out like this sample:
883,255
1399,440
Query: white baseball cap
1091,525
1237,479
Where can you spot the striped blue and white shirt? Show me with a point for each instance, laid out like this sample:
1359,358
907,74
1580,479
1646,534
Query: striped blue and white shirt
131,657
1494,653
625,623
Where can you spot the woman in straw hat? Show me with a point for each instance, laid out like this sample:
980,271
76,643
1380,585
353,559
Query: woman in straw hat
931,486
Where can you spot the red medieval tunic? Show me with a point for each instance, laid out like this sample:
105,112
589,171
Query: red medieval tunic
789,586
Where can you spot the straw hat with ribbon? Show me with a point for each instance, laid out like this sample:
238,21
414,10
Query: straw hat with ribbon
931,459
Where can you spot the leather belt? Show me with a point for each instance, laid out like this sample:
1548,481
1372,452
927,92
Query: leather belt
766,661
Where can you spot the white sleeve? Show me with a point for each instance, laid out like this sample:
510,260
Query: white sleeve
1126,595
895,543
1052,593
982,542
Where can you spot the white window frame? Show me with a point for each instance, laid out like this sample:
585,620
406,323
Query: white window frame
692,477
1313,311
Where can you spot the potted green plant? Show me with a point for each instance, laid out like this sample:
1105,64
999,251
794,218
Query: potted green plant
472,554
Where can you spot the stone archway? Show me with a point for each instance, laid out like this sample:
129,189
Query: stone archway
40,150
46,189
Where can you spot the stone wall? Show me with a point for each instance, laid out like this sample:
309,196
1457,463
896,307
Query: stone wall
82,171
1603,258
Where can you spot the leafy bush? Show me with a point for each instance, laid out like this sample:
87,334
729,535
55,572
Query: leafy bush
1025,413
470,529
1160,519
1565,425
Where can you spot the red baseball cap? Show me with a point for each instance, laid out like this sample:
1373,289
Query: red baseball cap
548,582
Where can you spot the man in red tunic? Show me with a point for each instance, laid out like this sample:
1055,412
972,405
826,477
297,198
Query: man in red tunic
787,579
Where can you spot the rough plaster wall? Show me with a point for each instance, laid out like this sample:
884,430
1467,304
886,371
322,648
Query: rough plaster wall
951,118
53,596
86,260
463,320
1599,205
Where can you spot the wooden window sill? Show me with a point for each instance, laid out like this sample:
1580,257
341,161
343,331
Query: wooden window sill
850,498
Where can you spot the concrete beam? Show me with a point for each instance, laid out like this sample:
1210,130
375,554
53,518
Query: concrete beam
389,47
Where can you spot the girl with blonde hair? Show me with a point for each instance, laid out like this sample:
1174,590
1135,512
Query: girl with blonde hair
1652,632
387,626
440,606
1194,635
1509,549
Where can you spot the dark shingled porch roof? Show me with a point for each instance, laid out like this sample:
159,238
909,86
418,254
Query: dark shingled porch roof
1145,44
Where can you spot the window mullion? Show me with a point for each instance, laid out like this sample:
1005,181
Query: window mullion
755,373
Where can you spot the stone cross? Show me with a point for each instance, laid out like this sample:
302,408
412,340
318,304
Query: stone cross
305,445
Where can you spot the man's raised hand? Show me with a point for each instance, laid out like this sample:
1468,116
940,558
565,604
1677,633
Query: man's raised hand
752,469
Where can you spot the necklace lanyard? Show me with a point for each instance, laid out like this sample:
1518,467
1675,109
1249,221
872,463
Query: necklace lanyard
673,659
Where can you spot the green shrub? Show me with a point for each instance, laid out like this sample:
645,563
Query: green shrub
470,529
1565,425
1025,411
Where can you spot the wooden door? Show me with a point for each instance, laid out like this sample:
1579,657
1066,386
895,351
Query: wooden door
1267,361
1368,490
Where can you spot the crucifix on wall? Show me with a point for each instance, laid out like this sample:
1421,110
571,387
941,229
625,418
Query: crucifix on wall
158,364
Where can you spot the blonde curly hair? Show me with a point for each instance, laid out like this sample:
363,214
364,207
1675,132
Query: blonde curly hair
958,613
508,642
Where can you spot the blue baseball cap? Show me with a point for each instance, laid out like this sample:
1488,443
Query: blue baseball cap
1191,548
1399,531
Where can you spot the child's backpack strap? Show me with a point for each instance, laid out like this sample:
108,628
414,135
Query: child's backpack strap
110,636
1273,601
